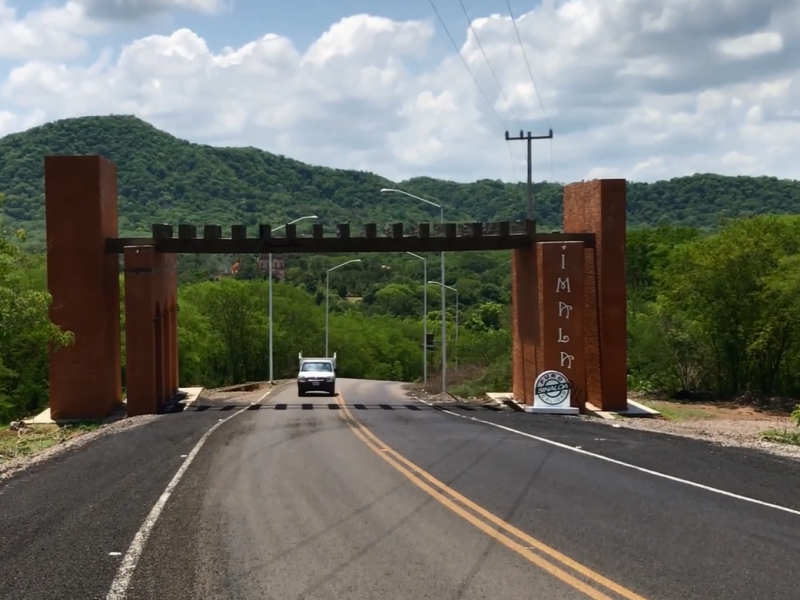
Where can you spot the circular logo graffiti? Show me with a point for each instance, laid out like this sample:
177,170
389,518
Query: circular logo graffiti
551,388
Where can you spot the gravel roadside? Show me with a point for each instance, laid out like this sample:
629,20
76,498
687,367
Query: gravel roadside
16,465
740,433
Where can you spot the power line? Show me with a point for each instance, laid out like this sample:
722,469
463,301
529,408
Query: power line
489,64
511,157
533,81
478,85
466,65
527,63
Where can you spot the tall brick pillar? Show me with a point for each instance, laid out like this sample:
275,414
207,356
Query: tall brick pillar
161,356
141,331
561,340
599,207
166,315
174,349
166,293
151,329
81,212
172,288
525,322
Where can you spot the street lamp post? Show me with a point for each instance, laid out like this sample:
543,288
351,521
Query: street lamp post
456,291
442,276
269,258
328,294
424,315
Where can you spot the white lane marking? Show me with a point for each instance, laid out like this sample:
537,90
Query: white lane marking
579,450
122,580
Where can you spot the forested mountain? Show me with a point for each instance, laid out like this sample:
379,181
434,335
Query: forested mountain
165,179
709,311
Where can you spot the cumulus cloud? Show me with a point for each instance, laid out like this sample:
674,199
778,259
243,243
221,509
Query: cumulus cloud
48,33
632,88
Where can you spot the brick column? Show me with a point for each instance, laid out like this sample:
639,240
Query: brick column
599,207
174,349
166,315
83,280
525,322
140,330
161,326
173,291
561,301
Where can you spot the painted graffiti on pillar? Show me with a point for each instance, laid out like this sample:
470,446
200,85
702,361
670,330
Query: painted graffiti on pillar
567,354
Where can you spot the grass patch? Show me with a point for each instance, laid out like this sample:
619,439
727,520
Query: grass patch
781,437
31,439
494,378
674,411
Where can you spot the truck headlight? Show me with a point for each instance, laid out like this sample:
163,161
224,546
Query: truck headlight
329,379
301,379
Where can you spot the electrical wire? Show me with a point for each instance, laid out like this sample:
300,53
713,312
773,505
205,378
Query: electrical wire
533,80
489,64
497,82
527,62
478,85
466,65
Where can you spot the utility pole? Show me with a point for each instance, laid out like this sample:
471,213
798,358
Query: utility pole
529,138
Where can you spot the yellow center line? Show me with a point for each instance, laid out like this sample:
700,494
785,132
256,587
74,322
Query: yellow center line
416,475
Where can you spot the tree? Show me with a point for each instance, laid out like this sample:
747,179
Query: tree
26,332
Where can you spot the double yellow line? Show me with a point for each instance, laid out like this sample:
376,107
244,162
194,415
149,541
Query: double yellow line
536,552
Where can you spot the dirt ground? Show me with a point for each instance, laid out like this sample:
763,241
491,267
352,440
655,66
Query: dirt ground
727,423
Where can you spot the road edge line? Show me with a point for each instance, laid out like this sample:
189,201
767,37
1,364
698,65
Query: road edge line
621,463
515,532
127,567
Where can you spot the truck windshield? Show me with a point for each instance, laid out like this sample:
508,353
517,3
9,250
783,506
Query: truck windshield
317,366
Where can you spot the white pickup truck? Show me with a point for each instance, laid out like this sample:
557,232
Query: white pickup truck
316,375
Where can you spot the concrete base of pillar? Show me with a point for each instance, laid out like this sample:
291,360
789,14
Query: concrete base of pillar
569,410
186,396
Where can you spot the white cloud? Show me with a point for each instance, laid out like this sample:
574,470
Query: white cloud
749,46
11,122
49,33
633,88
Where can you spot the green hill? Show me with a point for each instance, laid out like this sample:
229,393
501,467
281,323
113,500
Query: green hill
165,179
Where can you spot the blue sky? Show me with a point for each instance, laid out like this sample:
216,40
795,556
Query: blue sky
640,89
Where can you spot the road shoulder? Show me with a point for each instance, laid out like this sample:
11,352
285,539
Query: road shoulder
744,471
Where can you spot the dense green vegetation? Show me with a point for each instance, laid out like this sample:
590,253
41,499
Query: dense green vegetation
714,295
164,179
25,331
708,313
375,325
719,313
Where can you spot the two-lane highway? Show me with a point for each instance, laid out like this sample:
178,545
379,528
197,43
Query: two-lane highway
371,495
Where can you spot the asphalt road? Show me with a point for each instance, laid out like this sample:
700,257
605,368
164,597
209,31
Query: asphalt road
372,495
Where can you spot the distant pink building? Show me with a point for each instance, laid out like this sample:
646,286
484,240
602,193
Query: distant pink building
278,265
